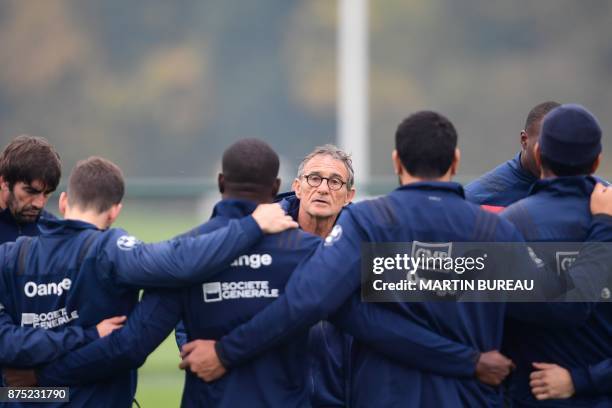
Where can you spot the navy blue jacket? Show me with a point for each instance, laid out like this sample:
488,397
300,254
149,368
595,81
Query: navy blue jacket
31,346
601,228
27,346
76,275
558,211
428,212
10,230
127,348
209,310
502,186
596,379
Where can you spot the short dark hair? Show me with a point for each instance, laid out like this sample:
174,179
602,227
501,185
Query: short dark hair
95,183
565,170
539,111
30,158
426,143
250,163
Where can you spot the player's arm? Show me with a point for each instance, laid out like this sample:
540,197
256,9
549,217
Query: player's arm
588,277
148,325
592,270
601,228
180,335
550,314
601,208
26,346
319,285
595,379
400,338
547,285
190,260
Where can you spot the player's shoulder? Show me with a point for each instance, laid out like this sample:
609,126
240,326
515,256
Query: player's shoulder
115,239
494,181
292,240
8,252
380,211
520,208
491,226
204,228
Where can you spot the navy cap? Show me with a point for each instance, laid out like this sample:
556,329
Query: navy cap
570,135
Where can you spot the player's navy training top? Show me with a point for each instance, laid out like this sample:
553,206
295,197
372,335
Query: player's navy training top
558,211
76,275
209,310
156,315
502,186
427,212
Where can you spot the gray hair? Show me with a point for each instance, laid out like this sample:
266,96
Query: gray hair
335,153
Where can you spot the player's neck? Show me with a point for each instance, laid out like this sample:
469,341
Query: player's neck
100,220
407,178
317,226
257,198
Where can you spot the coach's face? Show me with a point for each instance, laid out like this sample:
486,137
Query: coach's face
26,201
322,189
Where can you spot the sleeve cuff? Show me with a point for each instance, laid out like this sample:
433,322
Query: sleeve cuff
221,355
42,380
605,218
91,334
581,379
475,359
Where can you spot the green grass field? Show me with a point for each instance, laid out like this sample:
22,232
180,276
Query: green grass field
160,382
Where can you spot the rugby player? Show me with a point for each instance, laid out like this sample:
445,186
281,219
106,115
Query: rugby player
79,270
557,210
512,180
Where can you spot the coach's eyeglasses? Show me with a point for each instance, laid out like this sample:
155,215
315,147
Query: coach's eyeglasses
333,183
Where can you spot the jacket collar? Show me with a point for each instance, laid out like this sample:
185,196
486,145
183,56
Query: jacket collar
441,186
233,208
57,226
290,203
565,186
519,171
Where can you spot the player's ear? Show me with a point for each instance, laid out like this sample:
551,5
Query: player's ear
113,213
397,163
221,183
455,163
524,138
537,156
4,185
276,187
63,203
